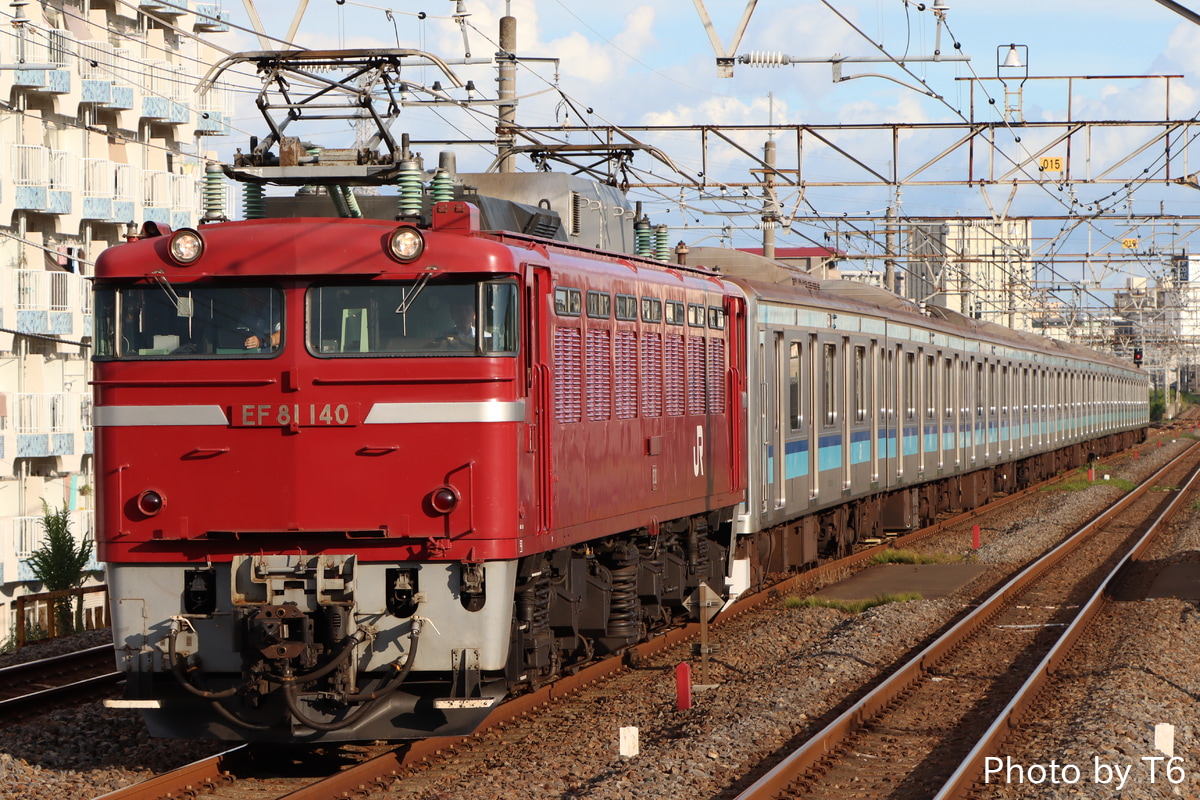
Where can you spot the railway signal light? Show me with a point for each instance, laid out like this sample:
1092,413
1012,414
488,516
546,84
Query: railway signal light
1137,356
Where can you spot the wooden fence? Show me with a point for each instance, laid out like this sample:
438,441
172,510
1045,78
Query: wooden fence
38,610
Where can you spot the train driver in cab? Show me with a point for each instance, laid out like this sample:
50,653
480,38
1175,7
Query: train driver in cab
461,335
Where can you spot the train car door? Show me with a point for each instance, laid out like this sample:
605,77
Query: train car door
765,427
881,463
778,428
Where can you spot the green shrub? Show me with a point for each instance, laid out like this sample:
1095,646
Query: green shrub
850,606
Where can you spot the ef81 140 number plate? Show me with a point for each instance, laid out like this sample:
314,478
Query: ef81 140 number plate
288,415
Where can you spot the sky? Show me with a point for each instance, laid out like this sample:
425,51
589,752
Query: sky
627,63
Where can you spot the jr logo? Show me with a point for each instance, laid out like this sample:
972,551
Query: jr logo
698,453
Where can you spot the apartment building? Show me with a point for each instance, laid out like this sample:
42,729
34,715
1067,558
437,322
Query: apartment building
979,268
101,129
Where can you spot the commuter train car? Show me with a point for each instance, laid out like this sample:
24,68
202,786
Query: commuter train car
360,478
868,413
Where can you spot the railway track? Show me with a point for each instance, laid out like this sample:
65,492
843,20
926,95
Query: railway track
364,770
361,771
29,689
926,731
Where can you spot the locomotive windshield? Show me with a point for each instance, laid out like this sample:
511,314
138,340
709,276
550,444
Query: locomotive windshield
421,317
156,320
383,318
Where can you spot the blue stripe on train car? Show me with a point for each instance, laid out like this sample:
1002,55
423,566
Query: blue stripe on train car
829,452
795,459
860,447
887,444
912,441
931,438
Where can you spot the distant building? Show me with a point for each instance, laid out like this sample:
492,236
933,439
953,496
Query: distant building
976,267
1163,321
101,129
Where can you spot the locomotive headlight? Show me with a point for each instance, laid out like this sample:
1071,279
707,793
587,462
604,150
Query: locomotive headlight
150,502
444,499
406,244
185,247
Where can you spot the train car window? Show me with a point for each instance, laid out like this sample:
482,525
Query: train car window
674,313
930,410
795,415
188,321
860,384
829,383
599,305
567,302
910,386
627,307
716,318
992,401
979,390
413,318
947,389
651,309
1004,391
695,315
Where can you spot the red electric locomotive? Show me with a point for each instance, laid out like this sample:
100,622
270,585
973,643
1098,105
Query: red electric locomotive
359,478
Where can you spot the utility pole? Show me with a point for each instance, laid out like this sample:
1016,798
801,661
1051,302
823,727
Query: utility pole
770,213
889,263
508,92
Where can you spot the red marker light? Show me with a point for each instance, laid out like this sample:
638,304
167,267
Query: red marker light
444,500
150,502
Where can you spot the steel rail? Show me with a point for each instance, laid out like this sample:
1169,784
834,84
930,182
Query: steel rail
877,700
375,772
34,673
186,781
10,705
967,774
7,673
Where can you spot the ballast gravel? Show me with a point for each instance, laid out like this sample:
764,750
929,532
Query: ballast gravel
779,673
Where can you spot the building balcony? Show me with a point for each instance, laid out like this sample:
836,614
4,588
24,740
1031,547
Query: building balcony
211,19
157,108
122,98
51,81
213,123
170,8
97,92
124,205
46,303
156,196
99,182
214,110
51,54
46,423
44,178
